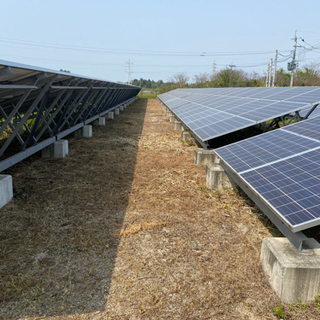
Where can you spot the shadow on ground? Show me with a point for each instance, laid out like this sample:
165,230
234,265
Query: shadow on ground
60,234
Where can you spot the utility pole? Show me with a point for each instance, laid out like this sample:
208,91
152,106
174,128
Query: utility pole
270,72
129,64
275,69
230,76
292,65
267,77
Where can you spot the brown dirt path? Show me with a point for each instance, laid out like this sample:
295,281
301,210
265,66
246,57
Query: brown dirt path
124,228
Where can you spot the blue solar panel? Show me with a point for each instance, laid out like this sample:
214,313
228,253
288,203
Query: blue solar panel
248,106
283,167
271,110
291,190
314,113
265,148
219,128
309,128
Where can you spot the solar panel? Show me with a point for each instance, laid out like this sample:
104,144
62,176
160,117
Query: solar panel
40,106
291,189
220,128
314,113
245,107
283,168
310,128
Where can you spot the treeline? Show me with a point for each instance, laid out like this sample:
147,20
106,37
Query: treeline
309,75
150,84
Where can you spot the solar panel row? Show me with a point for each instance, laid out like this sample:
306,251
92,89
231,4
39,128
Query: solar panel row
283,167
213,112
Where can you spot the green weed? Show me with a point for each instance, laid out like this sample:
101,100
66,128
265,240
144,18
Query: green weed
278,311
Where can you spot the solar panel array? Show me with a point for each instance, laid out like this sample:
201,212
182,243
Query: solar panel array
213,112
39,106
283,168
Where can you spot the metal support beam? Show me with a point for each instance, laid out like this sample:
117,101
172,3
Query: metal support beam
15,109
311,110
20,87
26,115
68,88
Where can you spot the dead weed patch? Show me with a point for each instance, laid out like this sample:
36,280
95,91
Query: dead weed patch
143,226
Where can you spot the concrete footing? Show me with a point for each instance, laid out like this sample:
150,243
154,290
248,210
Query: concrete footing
59,149
87,131
216,177
172,118
121,108
110,115
6,189
116,111
293,275
100,122
178,126
187,137
202,157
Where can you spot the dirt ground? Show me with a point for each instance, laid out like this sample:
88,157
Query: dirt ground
124,228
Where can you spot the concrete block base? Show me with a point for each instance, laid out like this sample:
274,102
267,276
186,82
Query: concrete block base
110,115
87,131
216,177
178,126
6,189
116,111
100,122
121,108
59,149
293,275
187,137
172,118
202,157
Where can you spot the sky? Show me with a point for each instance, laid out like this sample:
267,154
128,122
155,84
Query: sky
98,38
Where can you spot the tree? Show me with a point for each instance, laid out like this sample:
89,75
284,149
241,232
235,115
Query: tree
228,77
201,78
283,78
308,76
160,83
180,78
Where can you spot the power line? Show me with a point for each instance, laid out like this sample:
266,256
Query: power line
131,51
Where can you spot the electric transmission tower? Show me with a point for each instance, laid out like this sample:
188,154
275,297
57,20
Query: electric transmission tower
214,70
128,70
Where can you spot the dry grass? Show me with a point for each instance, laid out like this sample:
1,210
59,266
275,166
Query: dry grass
124,228
143,226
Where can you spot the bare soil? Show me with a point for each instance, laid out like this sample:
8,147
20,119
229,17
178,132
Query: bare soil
124,228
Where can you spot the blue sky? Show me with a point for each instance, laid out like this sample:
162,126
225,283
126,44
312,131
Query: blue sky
97,37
